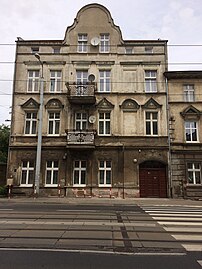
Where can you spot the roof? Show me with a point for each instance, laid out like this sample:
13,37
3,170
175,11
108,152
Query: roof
183,74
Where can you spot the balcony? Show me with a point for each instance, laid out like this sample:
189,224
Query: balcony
81,93
81,139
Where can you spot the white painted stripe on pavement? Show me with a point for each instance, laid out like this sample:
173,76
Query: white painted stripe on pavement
185,237
173,223
168,218
200,262
176,215
97,251
173,212
183,229
192,247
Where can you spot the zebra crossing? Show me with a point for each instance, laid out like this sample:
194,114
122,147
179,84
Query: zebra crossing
184,223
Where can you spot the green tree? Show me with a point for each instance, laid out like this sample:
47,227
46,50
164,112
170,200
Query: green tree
4,142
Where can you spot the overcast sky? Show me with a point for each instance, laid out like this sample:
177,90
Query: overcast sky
178,21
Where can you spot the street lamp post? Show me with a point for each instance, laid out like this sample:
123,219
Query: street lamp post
39,141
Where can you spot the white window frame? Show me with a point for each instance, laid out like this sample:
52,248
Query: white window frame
55,81
82,121
52,169
33,81
151,122
104,46
82,43
54,121
105,81
150,81
79,169
28,168
31,121
105,121
81,79
191,128
194,170
189,93
105,169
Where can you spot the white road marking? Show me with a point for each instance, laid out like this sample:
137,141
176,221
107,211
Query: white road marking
168,218
200,262
97,251
189,237
192,247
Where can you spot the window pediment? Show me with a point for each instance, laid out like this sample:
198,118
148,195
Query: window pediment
105,104
151,104
54,104
191,113
30,104
129,105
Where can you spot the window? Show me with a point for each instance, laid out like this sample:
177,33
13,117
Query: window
188,93
104,123
81,80
105,84
105,173
30,123
191,131
56,50
33,81
54,123
55,81
81,121
52,169
35,50
82,42
129,50
150,81
194,173
149,49
104,43
151,123
79,173
27,174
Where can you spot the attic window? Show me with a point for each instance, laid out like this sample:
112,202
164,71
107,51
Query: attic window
129,50
149,49
35,50
56,50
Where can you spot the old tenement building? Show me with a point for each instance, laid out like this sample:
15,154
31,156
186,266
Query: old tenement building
185,120
104,128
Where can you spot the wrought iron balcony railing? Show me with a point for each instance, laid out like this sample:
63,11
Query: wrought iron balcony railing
81,93
80,137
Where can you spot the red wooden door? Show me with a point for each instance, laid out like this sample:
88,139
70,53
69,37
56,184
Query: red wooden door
153,182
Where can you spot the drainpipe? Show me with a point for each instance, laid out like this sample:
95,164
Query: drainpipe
170,185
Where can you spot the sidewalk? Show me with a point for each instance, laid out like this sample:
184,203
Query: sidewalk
104,201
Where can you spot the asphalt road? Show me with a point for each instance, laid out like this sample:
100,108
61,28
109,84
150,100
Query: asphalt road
32,259
105,235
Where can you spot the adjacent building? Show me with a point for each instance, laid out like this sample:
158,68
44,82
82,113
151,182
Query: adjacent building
185,124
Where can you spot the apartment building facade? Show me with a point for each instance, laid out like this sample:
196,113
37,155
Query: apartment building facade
104,130
185,120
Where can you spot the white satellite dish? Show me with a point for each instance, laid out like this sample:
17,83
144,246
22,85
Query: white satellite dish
92,119
95,41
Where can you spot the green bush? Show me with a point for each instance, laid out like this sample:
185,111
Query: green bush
3,190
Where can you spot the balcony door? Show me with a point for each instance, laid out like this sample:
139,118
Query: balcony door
81,121
81,81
